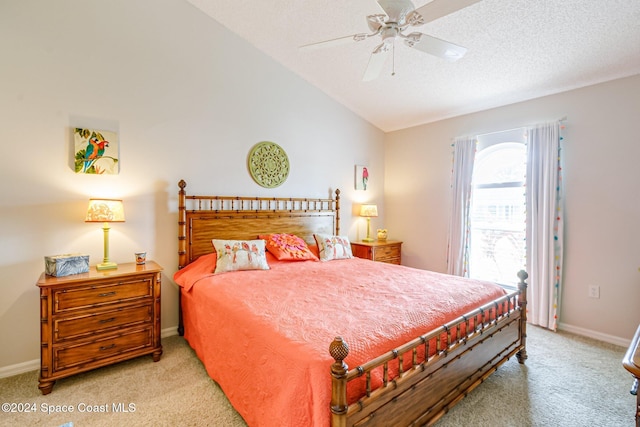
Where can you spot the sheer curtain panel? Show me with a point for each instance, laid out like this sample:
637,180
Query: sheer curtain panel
458,247
544,224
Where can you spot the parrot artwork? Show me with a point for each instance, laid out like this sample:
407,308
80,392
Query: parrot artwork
365,178
95,150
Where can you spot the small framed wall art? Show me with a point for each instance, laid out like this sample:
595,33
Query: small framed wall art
96,151
361,177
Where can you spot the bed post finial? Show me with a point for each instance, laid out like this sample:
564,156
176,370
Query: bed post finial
182,244
182,225
339,351
522,303
337,211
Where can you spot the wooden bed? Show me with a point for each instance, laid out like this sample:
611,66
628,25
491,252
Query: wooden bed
461,354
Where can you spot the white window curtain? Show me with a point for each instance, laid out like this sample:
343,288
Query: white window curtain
544,224
458,247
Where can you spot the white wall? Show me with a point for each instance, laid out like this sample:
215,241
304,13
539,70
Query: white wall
600,152
188,98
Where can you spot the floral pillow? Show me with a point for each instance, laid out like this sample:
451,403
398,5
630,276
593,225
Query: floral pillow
288,247
333,247
237,255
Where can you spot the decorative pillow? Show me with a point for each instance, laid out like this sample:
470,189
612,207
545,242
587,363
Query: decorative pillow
288,247
236,255
333,247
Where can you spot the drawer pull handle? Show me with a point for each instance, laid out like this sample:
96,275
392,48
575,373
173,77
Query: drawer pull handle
108,320
107,347
107,294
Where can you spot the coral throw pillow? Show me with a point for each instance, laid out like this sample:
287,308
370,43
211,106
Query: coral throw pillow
288,247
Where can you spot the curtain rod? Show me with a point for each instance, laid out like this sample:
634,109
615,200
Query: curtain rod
562,119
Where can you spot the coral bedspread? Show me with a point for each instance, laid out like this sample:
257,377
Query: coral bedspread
264,335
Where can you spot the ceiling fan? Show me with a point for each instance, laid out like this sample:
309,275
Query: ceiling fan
399,16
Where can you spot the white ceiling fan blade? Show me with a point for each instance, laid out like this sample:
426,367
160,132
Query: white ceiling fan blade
376,62
439,8
375,22
396,10
435,46
335,42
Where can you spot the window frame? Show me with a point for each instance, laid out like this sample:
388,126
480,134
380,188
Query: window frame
514,136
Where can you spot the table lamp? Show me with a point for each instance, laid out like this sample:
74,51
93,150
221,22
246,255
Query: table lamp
106,211
368,211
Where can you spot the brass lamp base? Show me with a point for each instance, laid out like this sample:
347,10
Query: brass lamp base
106,266
368,239
106,263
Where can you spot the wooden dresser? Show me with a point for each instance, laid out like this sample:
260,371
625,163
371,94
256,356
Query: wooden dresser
389,251
98,318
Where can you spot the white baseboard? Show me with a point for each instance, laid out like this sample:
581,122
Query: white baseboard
611,339
19,368
33,365
169,332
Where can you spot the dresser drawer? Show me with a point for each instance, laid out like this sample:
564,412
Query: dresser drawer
385,252
100,321
70,356
83,297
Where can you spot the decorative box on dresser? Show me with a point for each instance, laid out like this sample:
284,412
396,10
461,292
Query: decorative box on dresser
98,318
389,251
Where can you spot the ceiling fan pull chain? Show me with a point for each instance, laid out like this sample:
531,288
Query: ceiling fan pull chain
393,61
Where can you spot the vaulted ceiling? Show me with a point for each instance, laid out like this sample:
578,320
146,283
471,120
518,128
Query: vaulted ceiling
516,50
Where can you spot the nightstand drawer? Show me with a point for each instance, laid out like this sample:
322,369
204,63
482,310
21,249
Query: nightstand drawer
77,298
385,252
389,251
98,322
67,357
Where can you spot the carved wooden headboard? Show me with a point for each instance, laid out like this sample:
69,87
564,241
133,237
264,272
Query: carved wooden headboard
202,218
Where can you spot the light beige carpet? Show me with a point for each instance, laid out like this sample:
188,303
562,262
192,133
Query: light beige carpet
567,381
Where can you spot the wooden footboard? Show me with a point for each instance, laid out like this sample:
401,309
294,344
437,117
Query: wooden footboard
467,350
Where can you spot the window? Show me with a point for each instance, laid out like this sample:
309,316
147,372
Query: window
497,216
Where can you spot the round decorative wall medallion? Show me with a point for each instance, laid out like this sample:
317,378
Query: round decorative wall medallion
268,164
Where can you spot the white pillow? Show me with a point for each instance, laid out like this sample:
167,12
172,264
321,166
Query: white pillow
333,247
237,255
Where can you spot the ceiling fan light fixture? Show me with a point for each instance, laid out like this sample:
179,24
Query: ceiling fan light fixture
389,34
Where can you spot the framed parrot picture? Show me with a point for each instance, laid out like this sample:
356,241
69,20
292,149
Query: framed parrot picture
96,151
361,177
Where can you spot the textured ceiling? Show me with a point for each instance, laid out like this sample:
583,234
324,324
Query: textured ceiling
517,50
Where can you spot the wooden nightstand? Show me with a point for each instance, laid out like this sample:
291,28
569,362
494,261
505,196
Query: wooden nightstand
389,251
98,318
